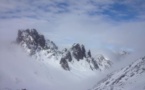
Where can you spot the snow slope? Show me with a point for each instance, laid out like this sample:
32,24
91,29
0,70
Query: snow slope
43,49
18,71
131,77
42,71
34,63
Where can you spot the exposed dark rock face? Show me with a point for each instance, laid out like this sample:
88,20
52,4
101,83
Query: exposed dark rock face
78,51
34,43
31,37
65,58
89,54
95,63
64,64
68,55
83,51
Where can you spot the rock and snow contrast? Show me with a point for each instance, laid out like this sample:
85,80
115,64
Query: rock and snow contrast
33,62
75,57
18,71
72,44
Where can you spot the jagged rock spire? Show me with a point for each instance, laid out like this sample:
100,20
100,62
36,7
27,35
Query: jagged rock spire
31,37
34,41
36,45
89,54
79,51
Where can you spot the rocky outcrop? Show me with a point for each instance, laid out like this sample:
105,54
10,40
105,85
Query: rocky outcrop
64,64
78,51
36,45
33,42
31,37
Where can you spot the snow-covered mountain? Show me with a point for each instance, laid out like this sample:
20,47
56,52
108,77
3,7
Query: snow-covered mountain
18,71
45,67
76,57
128,78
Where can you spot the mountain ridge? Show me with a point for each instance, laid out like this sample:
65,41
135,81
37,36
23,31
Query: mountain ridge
130,77
37,46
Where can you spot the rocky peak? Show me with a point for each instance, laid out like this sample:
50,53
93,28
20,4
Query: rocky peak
37,46
31,37
34,41
89,54
67,55
79,51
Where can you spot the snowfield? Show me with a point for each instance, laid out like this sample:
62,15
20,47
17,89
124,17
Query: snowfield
33,63
131,77
18,71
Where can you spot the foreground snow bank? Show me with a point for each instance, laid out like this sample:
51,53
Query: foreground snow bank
128,78
19,72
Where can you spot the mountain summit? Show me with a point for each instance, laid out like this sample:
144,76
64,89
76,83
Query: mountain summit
76,57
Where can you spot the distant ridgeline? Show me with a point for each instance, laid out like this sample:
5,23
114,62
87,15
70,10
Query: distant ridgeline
40,48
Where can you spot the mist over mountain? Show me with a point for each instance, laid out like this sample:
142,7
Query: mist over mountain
72,44
33,58
40,48
130,77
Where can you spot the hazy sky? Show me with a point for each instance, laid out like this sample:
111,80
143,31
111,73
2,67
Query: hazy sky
99,24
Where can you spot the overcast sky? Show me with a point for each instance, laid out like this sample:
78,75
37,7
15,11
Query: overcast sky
98,24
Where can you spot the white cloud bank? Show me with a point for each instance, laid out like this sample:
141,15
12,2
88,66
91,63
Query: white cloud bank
69,21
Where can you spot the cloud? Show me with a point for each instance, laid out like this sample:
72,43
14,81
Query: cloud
99,24
47,9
